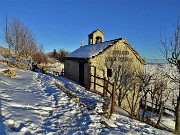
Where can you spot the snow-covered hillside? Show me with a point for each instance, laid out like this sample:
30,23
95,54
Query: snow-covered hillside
30,103
163,71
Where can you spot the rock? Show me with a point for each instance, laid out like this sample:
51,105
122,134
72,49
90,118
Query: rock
11,124
10,72
25,131
108,123
76,100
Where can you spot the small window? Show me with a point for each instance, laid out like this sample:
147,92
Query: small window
109,72
90,41
98,39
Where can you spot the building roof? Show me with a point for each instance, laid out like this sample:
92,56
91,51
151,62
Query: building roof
95,31
88,51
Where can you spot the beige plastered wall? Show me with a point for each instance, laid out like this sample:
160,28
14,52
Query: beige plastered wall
113,58
96,34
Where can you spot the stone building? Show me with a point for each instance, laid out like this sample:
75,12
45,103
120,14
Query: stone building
101,58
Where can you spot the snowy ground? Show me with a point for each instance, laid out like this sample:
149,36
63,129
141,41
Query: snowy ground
160,70
30,103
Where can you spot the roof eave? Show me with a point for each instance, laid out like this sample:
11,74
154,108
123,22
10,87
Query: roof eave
74,58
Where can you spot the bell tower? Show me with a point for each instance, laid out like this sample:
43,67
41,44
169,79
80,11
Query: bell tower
96,37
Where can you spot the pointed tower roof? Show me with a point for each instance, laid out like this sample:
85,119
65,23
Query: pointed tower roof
96,31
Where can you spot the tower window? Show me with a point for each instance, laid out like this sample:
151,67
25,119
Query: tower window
98,40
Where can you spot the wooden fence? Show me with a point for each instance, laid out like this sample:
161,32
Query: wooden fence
106,88
156,107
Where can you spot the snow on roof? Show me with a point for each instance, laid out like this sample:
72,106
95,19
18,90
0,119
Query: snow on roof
89,51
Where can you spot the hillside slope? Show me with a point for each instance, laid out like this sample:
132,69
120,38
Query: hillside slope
30,103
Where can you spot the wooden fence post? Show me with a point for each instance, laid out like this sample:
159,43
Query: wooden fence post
104,88
113,98
91,79
161,110
94,78
90,84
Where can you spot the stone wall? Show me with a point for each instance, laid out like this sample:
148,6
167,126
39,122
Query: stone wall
113,58
116,57
119,58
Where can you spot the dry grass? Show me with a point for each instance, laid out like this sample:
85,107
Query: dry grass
5,50
10,72
2,49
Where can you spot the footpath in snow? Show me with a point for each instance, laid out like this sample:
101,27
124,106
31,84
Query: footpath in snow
30,103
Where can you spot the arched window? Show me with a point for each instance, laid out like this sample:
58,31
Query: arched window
98,40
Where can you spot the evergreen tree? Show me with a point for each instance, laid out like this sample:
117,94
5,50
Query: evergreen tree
54,54
62,53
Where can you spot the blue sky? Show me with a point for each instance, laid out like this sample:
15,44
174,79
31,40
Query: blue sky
63,23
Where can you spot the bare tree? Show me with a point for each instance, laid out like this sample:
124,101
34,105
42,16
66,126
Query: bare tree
7,36
146,78
128,90
133,98
15,30
20,39
41,47
39,58
124,77
24,40
161,95
171,50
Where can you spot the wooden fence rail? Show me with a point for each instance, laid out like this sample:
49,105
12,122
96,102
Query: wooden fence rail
106,89
156,106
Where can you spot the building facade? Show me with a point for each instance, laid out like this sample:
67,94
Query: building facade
106,59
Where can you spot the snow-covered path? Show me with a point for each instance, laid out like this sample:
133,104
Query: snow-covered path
24,103
30,103
33,103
